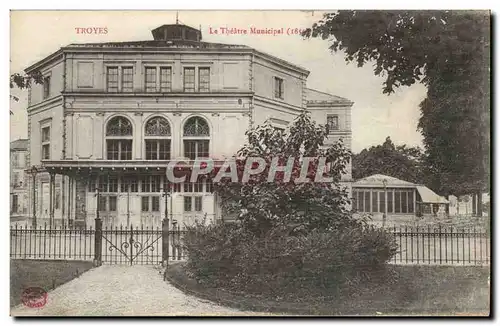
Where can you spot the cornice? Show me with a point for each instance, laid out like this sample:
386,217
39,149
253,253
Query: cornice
162,95
278,104
46,104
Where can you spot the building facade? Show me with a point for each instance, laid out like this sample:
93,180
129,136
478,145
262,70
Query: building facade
110,116
18,188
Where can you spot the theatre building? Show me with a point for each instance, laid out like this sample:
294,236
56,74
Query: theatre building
110,116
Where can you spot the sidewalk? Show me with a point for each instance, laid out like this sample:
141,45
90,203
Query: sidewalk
119,290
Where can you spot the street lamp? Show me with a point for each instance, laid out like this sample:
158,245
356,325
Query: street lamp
384,217
166,195
33,174
97,194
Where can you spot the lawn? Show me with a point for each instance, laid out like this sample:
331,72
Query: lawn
47,274
415,290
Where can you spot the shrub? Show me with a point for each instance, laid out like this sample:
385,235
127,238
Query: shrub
281,262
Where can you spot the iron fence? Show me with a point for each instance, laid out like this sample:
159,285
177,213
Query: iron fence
155,245
108,245
441,245
45,242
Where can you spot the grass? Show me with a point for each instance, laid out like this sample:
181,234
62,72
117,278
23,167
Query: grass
42,273
415,290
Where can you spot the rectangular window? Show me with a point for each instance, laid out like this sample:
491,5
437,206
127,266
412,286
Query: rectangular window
389,202
127,79
278,88
361,201
189,79
397,202
404,202
155,204
146,184
187,204
210,186
57,202
176,187
46,143
46,87
198,207
155,183
165,79
15,160
367,202
119,149
150,79
124,184
15,179
102,184
112,203
112,79
157,149
134,185
381,202
46,152
332,122
204,79
145,203
113,184
375,201
188,187
102,203
196,148
411,204
45,134
198,186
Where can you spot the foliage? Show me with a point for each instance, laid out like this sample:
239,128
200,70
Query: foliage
447,51
401,162
281,261
261,205
24,81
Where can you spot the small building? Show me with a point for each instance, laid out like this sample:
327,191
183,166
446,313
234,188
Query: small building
379,194
18,188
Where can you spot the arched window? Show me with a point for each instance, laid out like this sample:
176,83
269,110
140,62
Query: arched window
157,136
196,134
119,139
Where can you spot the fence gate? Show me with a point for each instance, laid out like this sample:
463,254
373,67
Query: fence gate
134,245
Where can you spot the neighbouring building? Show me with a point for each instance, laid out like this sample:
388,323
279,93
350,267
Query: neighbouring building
466,205
401,200
110,116
18,188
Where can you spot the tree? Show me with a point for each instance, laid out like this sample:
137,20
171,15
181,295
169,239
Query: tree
24,82
261,205
401,162
447,51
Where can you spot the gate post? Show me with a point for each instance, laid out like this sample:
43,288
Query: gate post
164,242
98,242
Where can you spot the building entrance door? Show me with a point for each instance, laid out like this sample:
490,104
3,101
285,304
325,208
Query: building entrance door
135,209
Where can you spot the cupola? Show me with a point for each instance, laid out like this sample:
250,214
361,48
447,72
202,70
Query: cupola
176,32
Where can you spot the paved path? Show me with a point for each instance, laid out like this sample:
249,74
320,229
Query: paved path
123,291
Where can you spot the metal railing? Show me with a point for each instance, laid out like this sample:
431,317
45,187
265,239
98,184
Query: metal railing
441,245
155,245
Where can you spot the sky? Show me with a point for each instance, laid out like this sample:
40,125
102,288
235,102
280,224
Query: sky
37,34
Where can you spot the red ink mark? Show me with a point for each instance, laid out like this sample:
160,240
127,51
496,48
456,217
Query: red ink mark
34,297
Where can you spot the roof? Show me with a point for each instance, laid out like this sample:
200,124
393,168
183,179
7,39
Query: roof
317,98
429,196
160,44
377,180
19,144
